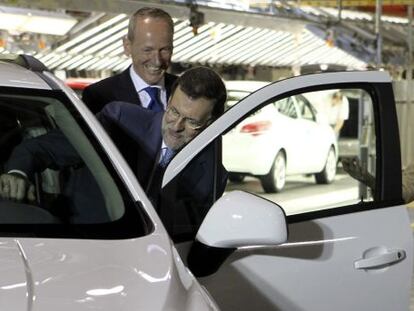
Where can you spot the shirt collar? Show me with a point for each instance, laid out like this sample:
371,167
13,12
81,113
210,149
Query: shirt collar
164,147
140,84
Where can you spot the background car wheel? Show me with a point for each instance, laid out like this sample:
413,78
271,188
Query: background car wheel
275,180
329,171
236,177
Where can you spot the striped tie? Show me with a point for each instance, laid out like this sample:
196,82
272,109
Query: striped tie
166,158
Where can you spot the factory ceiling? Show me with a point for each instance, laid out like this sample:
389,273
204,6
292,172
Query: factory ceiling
284,35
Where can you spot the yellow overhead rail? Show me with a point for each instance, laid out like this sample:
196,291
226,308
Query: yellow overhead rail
335,3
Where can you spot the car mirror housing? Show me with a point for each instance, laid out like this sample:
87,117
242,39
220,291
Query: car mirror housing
241,219
238,219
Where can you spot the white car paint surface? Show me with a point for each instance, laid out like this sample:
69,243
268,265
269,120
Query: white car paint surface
316,270
140,274
13,291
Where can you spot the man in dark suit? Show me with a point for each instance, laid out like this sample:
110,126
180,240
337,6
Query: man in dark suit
198,98
149,43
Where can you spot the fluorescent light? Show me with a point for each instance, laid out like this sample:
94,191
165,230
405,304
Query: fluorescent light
25,20
98,38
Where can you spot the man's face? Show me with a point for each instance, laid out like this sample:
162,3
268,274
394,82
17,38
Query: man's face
184,119
151,49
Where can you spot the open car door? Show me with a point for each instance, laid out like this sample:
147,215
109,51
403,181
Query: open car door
349,246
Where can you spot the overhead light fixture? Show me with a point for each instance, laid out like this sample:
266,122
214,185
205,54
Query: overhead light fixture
37,21
323,67
196,17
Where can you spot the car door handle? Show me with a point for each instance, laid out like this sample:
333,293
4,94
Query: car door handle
380,260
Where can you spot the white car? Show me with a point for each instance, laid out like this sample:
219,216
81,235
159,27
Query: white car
293,127
246,255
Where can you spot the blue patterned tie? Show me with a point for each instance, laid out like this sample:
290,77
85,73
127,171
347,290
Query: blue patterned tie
166,158
155,104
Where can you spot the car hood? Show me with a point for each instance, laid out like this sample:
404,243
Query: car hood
136,274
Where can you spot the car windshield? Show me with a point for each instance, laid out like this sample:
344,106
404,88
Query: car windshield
69,180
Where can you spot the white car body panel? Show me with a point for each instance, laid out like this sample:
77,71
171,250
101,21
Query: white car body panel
13,290
13,76
134,274
315,269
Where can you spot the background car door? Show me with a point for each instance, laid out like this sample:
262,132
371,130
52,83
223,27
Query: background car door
354,253
292,134
315,135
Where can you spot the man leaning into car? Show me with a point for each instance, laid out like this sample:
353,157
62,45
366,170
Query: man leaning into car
198,98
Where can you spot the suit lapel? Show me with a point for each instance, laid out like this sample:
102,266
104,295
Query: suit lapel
126,89
169,81
152,144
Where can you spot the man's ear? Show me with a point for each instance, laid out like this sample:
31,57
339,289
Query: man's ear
127,46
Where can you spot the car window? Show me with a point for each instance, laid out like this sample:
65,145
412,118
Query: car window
305,109
287,107
70,180
297,165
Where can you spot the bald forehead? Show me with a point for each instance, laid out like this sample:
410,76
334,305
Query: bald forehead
149,21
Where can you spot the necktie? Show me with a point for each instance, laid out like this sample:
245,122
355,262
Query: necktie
166,158
154,104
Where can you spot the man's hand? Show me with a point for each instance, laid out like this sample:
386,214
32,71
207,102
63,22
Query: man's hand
354,168
16,187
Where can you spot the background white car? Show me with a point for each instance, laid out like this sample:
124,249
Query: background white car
293,126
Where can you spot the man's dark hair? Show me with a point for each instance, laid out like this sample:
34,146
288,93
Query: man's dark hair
204,82
148,12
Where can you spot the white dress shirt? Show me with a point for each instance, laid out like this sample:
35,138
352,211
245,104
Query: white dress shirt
140,85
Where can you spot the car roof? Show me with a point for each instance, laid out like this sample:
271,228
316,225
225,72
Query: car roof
15,75
245,85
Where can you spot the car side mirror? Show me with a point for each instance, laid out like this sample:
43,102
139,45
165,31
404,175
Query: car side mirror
236,220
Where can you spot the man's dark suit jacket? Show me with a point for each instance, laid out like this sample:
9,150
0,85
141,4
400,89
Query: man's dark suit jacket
182,206
117,88
81,200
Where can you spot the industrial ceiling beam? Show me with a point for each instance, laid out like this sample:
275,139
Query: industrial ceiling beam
177,10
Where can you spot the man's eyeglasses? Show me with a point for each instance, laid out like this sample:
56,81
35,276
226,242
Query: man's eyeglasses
174,115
